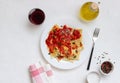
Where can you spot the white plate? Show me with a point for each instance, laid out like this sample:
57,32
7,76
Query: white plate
85,53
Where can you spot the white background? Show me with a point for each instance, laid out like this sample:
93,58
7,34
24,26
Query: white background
19,39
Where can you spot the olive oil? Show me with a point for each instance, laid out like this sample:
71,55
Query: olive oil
89,11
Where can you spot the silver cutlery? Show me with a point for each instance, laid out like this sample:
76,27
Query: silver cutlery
94,38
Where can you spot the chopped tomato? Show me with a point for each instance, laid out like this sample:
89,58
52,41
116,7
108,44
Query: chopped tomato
76,34
60,57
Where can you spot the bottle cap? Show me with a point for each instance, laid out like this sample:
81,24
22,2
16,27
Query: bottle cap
94,6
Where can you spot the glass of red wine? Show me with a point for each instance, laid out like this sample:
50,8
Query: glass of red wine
36,16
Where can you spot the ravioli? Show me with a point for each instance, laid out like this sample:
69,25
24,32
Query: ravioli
64,43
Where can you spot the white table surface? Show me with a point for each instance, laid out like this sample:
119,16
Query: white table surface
19,39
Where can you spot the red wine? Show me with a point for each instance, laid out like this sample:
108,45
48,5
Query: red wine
36,16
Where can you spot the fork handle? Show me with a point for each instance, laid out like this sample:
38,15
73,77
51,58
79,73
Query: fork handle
90,58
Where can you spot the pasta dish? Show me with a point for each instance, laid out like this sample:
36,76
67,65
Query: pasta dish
64,43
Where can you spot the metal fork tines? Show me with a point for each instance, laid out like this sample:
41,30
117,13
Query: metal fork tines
95,36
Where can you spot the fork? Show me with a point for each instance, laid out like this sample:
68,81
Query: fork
95,36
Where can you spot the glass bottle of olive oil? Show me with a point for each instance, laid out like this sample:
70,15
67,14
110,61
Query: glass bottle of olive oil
89,11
